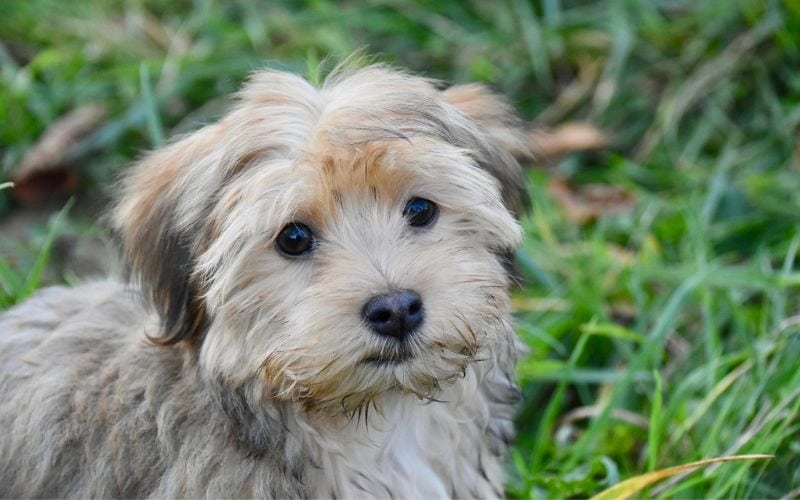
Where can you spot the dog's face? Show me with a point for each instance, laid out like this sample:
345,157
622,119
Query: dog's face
335,243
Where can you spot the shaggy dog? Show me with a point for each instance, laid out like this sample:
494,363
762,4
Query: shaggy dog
318,307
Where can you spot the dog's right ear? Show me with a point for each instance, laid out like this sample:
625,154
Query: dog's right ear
159,221
507,134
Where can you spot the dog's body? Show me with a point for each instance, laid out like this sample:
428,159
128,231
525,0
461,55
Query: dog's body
251,369
106,413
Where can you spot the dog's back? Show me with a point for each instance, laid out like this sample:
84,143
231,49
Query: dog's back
60,354
88,407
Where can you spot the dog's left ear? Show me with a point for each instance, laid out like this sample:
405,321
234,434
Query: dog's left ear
159,220
508,137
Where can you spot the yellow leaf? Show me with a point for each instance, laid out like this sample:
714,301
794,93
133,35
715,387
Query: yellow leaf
625,489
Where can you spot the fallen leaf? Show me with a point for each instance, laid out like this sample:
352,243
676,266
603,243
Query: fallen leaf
19,52
629,487
584,203
44,170
551,145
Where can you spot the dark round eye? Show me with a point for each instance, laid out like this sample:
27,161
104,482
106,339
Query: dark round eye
295,239
420,212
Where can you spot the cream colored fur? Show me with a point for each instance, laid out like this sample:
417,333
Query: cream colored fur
226,369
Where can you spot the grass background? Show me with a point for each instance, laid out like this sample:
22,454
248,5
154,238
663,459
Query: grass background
661,335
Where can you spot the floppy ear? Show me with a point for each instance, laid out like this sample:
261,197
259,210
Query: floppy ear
159,222
505,131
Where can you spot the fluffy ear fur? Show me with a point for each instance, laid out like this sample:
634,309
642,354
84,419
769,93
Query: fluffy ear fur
505,131
158,237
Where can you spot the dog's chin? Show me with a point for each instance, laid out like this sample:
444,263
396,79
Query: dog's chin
417,373
420,374
396,355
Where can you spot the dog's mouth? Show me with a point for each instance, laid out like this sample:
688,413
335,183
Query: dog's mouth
395,356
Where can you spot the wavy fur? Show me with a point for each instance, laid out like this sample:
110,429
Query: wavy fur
224,369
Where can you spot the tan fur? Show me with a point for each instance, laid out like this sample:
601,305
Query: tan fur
256,380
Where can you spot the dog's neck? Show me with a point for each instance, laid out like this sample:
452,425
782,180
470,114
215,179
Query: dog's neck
401,443
410,445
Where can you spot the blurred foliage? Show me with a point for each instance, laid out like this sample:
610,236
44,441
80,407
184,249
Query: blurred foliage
659,336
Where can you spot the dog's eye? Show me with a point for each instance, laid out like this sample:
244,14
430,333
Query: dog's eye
420,212
295,239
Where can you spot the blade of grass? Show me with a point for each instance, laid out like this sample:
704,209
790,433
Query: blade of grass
554,406
154,126
656,341
712,396
762,419
534,42
554,370
10,282
34,277
656,420
612,331
636,484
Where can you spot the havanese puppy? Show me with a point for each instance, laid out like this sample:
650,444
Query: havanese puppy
318,307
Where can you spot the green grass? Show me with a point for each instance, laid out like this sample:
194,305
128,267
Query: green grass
660,336
17,283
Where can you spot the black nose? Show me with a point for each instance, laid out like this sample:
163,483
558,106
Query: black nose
394,314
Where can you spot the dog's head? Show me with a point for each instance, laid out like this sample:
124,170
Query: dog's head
335,242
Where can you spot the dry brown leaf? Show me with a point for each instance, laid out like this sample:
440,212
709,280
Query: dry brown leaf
584,203
20,52
551,145
44,170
